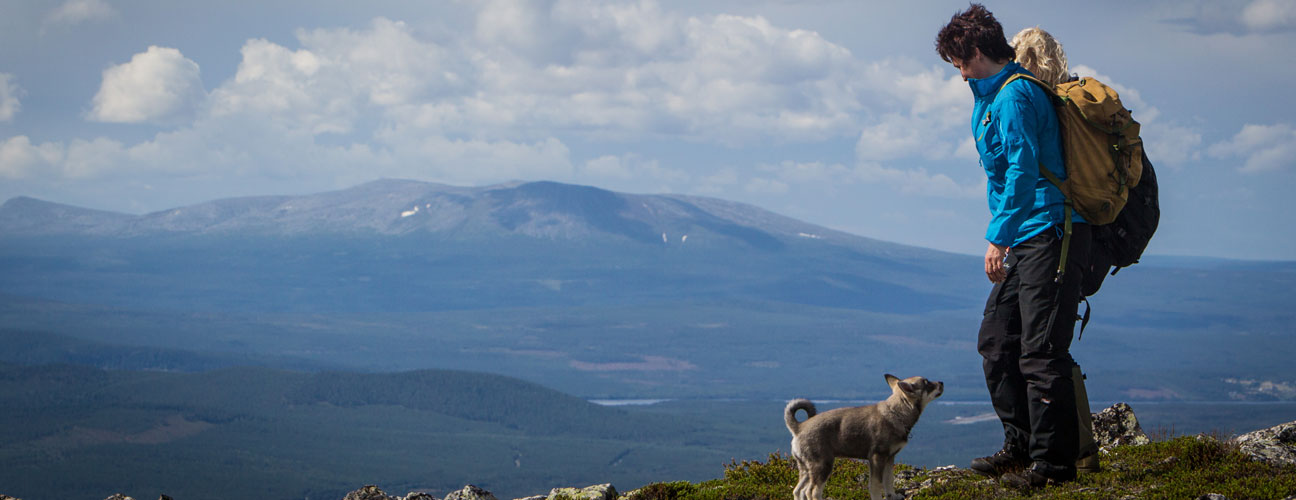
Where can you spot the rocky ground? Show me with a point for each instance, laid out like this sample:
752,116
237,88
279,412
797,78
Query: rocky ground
1113,427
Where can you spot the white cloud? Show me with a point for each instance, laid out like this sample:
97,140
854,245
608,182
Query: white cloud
918,181
504,101
475,161
90,159
929,92
810,172
277,84
341,76
632,172
608,166
19,158
761,185
896,136
1262,148
624,70
9,94
1269,15
1239,18
1171,145
925,119
75,12
159,85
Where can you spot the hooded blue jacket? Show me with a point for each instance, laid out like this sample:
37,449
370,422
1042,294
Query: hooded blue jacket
1015,132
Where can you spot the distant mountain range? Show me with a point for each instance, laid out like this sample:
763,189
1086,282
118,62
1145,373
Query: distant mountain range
515,242
593,292
546,210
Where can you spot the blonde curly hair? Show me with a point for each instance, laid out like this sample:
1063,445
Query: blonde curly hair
1042,55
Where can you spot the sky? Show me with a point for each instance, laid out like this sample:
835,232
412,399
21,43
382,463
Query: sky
838,113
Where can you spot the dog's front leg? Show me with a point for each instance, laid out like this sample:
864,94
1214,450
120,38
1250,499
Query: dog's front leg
888,480
876,471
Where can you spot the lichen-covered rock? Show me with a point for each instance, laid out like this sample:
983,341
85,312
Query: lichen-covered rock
418,495
1118,426
470,492
369,492
596,492
7,497
1275,445
119,496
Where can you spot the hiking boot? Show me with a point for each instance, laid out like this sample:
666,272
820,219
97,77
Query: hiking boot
1039,475
1002,462
1088,464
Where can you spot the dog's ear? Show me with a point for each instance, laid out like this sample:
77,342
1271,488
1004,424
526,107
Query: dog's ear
892,380
907,387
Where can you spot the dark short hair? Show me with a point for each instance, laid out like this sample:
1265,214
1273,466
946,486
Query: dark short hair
974,28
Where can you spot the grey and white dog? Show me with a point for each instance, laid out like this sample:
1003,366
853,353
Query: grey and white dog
874,432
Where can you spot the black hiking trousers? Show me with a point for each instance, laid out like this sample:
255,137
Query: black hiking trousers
1025,343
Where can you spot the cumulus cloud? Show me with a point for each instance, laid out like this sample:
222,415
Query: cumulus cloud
1239,18
159,85
908,180
1171,145
918,181
505,98
629,69
75,12
340,76
9,94
1269,15
810,172
761,185
896,136
923,125
1261,148
632,166
535,70
20,159
81,159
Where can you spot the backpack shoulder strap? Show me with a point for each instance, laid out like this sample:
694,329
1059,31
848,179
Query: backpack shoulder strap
1049,90
1056,100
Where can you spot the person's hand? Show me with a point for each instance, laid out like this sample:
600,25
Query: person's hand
994,263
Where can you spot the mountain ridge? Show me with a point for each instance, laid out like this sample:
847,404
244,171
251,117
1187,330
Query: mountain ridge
541,209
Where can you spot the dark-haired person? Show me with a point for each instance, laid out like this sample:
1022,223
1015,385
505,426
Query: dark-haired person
1026,330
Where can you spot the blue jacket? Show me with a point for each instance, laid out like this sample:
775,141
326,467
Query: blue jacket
1015,133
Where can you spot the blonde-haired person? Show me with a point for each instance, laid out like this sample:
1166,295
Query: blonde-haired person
1042,55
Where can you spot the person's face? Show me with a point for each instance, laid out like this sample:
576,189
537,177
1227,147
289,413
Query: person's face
978,66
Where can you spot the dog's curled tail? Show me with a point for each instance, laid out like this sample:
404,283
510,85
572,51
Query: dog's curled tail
789,414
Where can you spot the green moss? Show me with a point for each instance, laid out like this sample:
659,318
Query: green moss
1177,468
